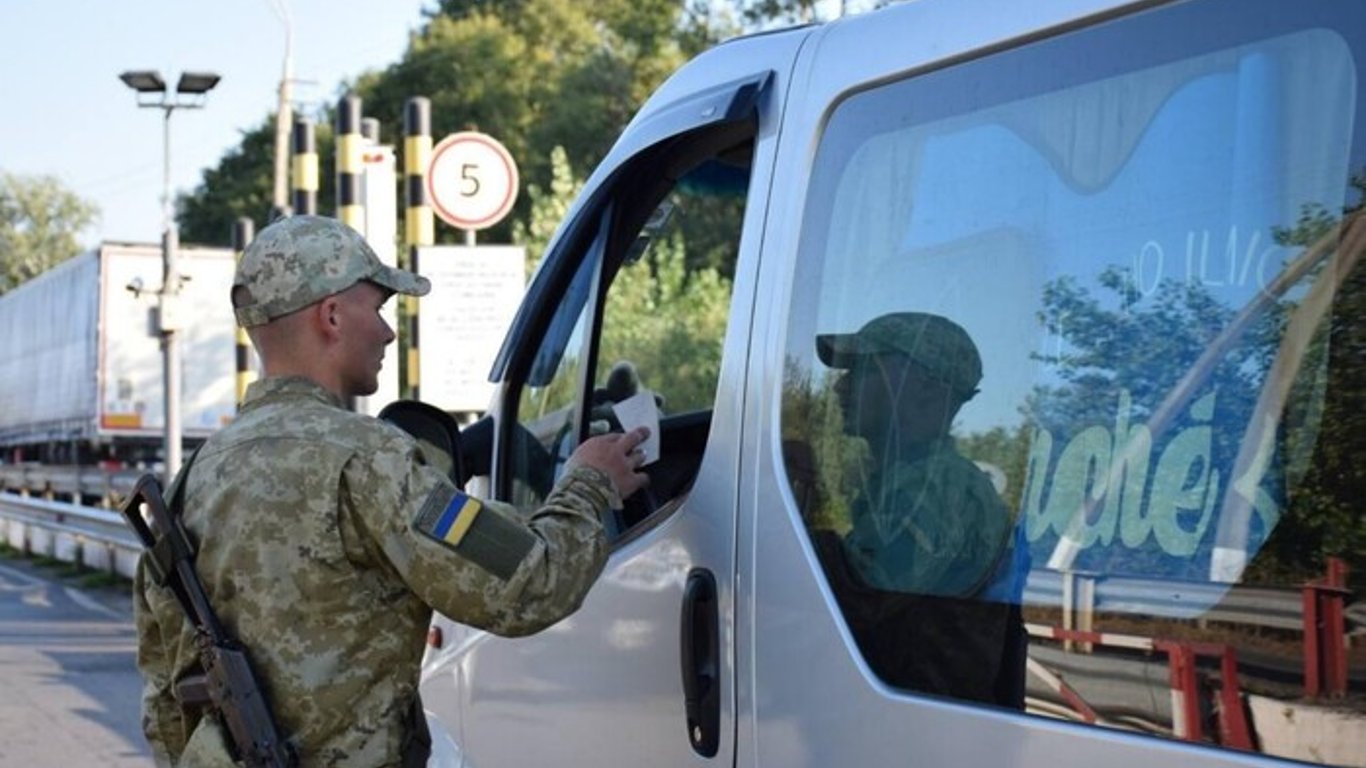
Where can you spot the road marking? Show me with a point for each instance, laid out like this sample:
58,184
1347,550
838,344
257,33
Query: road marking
28,581
89,603
78,597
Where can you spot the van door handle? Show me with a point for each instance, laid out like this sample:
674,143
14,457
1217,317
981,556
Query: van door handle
700,645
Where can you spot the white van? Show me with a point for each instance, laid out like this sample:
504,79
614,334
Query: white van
1009,365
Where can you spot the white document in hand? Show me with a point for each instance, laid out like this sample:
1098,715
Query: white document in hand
639,410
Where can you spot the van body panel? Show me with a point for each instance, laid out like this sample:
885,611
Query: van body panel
812,699
603,686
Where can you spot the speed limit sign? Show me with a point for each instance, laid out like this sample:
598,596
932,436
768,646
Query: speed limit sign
471,181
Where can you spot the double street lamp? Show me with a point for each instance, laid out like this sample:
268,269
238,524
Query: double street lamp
190,93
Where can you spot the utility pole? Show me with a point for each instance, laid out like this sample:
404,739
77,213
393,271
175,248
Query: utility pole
284,117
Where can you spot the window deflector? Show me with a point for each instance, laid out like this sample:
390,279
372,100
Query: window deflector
581,293
555,343
596,291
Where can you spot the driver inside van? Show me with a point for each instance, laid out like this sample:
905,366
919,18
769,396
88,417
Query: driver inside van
928,575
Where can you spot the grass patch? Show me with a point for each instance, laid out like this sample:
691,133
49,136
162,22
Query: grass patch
102,579
75,574
59,568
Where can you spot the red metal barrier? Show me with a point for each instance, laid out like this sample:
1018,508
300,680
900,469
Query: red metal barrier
1233,728
1325,632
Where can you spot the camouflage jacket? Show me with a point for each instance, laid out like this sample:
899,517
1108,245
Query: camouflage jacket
325,542
929,526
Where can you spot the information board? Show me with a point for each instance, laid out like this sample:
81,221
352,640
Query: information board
461,324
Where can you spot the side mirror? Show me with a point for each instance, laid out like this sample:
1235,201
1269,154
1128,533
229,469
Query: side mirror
434,429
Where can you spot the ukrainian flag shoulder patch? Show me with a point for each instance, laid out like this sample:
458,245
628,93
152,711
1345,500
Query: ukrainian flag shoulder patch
448,517
478,533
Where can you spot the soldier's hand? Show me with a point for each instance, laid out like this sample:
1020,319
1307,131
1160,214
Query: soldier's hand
617,455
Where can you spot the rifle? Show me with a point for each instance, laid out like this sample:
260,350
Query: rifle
228,683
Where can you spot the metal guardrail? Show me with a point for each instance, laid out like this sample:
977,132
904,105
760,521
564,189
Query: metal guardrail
95,538
1208,601
70,482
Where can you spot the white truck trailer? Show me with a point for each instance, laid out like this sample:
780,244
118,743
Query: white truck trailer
81,373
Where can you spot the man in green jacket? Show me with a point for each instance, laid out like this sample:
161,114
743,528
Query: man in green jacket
929,575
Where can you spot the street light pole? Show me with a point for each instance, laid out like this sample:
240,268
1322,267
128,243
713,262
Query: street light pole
189,94
168,303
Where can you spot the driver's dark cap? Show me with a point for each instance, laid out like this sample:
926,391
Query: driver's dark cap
938,345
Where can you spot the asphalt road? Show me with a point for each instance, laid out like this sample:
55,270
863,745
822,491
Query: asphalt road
70,683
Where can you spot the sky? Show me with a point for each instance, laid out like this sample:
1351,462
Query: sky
65,113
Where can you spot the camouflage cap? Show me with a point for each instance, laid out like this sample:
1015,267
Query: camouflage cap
937,344
303,259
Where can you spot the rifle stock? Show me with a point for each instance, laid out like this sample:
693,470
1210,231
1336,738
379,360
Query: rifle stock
237,696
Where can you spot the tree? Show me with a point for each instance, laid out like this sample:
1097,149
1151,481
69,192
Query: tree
39,223
537,74
1324,518
242,184
1132,351
548,207
767,14
759,14
642,324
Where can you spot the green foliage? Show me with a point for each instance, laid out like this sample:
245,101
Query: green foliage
240,185
825,466
548,207
765,13
1324,518
537,74
1006,449
534,73
1315,473
39,223
1144,349
670,323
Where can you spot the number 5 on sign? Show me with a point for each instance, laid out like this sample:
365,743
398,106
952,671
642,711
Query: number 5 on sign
471,181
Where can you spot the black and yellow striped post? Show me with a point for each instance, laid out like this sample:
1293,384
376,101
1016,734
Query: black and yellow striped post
350,164
243,232
305,167
418,226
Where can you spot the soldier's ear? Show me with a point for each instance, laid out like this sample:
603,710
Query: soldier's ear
327,317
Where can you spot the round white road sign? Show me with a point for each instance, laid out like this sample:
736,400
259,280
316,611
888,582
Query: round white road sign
472,180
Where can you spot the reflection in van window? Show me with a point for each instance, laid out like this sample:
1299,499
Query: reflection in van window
1080,351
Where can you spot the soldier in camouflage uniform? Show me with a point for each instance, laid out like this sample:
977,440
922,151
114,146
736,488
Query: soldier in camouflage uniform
326,539
927,574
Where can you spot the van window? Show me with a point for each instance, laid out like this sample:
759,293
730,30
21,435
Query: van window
658,277
1073,397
